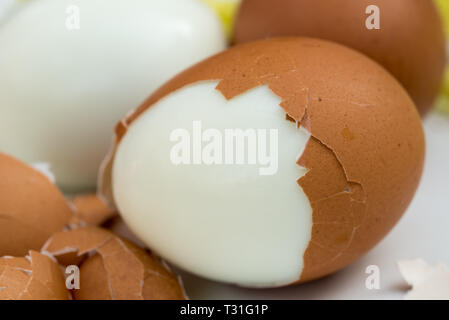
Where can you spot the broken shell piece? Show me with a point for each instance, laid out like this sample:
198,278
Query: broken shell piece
428,282
65,117
35,277
31,208
114,268
117,226
91,209
348,157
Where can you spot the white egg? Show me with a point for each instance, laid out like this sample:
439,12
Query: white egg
70,69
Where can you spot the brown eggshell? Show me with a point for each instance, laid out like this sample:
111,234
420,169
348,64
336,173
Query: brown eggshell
36,277
410,42
366,153
114,269
117,226
31,208
91,210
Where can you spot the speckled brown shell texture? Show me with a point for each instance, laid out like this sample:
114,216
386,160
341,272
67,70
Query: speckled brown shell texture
366,152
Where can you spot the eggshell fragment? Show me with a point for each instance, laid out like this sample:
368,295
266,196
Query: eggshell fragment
35,277
364,157
114,269
31,208
427,282
117,226
91,209
410,41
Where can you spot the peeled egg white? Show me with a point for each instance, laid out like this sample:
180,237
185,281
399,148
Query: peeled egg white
70,69
219,221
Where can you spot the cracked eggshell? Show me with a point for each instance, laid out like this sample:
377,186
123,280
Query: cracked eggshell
117,226
34,277
412,49
31,208
364,159
113,268
91,210
64,86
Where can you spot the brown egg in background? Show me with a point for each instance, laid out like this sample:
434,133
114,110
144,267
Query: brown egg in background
365,155
410,42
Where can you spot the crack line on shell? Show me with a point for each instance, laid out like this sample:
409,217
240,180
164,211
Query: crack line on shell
308,127
152,273
360,104
111,292
142,282
25,289
32,277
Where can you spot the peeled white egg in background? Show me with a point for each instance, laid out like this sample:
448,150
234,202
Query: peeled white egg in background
70,69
